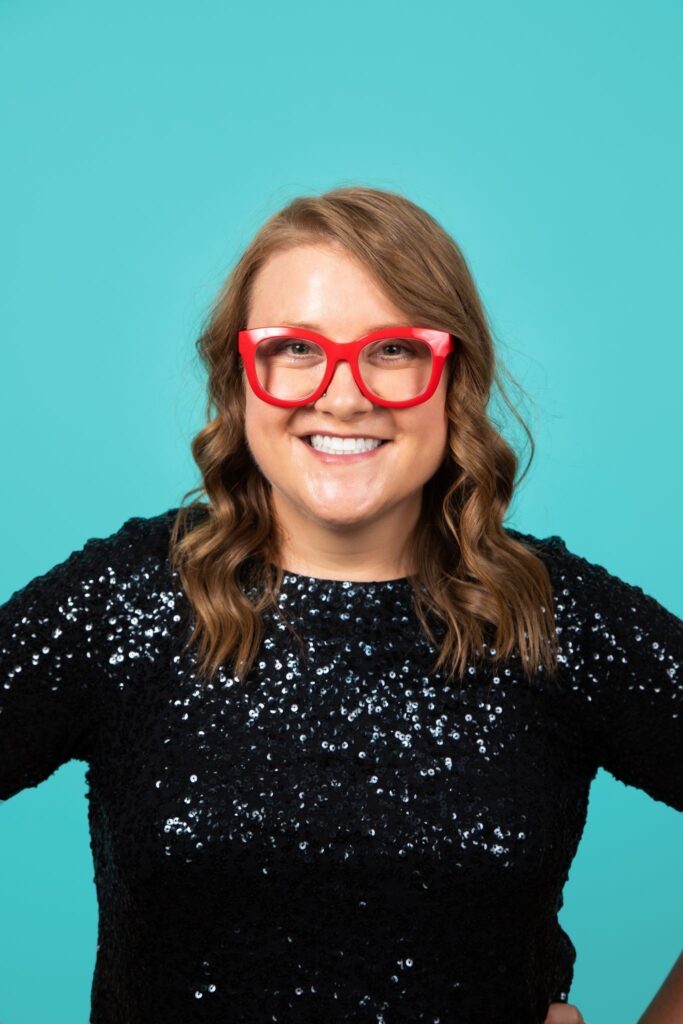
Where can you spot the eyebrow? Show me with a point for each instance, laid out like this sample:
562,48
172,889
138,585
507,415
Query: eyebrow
316,327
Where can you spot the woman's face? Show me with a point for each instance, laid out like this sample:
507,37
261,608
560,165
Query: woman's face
325,288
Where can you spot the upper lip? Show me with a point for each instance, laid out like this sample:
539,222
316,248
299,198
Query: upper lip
328,433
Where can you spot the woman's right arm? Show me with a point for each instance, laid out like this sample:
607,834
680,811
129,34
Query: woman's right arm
49,632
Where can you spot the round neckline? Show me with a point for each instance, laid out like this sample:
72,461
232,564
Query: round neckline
345,584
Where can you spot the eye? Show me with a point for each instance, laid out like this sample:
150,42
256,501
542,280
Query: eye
397,350
289,346
288,350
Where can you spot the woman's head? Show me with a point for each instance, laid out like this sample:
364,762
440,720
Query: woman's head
367,505
348,261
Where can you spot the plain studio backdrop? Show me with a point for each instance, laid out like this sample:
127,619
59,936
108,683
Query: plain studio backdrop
144,143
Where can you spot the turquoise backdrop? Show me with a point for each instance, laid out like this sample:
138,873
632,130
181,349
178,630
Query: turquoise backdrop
144,143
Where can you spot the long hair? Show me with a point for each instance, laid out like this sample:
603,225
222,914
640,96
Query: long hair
484,587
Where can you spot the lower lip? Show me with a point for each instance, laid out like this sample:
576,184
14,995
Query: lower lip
356,457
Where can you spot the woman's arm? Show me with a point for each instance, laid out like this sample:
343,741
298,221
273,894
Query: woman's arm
564,1013
665,1008
667,1004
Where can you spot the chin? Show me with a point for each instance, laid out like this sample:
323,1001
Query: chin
339,516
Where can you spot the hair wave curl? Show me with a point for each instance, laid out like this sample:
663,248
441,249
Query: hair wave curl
475,579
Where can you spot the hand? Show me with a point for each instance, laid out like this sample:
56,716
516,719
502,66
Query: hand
563,1013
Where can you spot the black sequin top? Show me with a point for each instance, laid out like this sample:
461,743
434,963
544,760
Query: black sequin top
344,838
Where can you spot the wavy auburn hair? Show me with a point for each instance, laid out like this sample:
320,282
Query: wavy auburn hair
480,583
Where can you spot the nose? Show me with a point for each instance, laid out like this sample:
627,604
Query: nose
343,394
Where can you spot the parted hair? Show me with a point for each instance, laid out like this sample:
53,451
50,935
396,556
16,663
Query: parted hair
489,594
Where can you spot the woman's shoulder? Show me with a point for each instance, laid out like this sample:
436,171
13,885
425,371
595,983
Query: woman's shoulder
580,585
131,553
149,532
139,542
551,547
564,563
137,537
596,593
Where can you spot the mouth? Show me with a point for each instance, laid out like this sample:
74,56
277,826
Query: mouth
339,457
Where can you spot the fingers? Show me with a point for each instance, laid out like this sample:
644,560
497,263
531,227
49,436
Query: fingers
564,1013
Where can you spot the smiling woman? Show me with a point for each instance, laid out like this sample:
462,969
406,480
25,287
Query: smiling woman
355,313
344,514
341,722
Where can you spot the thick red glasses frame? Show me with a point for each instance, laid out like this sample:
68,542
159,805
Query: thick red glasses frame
440,342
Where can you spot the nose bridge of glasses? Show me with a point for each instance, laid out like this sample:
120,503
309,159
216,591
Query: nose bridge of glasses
337,353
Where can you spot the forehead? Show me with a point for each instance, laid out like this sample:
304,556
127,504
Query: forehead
322,289
320,330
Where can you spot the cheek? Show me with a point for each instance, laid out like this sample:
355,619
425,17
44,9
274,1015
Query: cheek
265,429
428,425
429,437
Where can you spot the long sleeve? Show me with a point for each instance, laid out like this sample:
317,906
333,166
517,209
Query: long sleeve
49,667
625,657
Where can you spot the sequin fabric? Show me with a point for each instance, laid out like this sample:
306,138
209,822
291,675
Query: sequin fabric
345,837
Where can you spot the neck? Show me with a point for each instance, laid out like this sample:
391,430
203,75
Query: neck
375,549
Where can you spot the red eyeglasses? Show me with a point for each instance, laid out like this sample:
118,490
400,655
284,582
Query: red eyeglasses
405,376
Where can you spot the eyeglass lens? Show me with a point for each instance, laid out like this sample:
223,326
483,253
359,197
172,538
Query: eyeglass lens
395,369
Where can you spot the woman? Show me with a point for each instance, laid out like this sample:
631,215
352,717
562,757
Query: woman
340,723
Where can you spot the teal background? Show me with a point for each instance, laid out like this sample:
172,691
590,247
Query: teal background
144,143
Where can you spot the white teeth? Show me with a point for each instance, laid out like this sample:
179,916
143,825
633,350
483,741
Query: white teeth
342,445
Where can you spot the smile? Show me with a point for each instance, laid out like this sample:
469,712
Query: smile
350,456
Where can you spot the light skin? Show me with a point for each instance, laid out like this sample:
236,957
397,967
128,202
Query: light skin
344,521
347,520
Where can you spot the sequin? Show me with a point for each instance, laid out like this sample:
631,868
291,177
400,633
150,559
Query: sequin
345,837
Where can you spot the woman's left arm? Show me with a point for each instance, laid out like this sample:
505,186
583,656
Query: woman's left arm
624,652
665,1008
667,1004
634,668
565,1013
